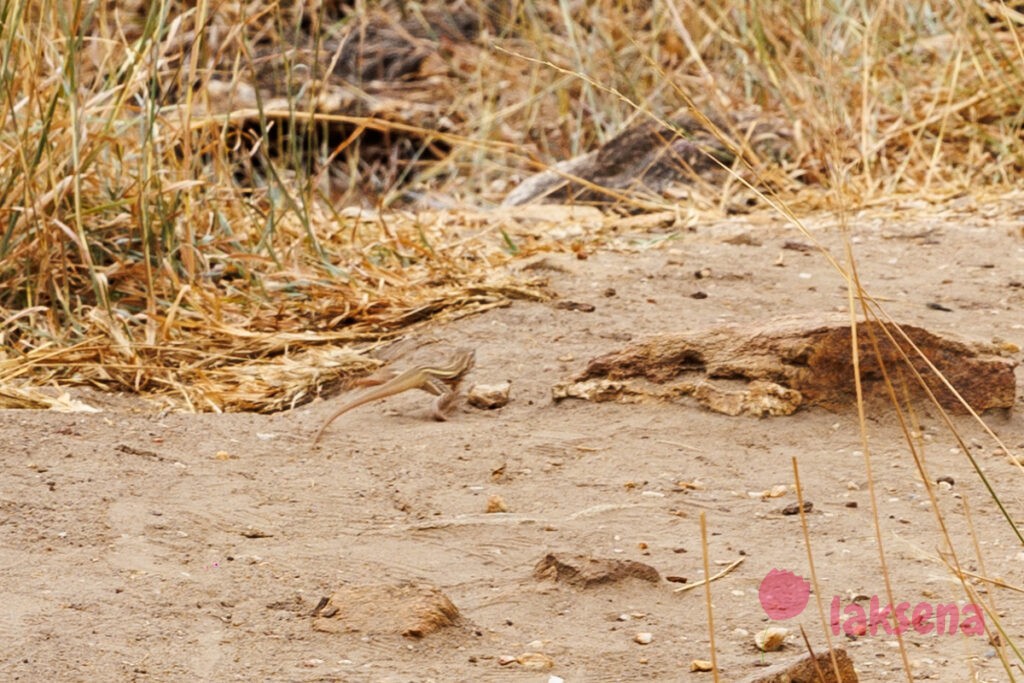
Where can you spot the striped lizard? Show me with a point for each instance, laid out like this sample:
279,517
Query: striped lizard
441,381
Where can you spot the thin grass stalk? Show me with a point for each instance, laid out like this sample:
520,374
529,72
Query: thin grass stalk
942,413
72,28
810,564
919,463
708,607
854,293
998,639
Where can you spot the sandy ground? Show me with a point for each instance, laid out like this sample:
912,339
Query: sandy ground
131,550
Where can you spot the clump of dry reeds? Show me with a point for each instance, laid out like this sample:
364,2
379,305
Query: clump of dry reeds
174,173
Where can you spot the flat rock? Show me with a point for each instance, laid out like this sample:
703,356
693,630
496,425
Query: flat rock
584,571
775,368
802,670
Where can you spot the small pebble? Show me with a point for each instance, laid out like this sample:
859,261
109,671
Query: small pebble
489,396
794,508
535,661
496,503
771,639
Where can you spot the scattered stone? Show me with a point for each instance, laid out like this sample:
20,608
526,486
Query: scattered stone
535,661
496,504
771,639
489,396
253,532
576,306
802,670
700,665
945,480
776,491
743,239
794,508
412,610
584,572
643,638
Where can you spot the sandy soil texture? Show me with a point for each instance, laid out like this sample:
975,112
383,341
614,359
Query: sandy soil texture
175,547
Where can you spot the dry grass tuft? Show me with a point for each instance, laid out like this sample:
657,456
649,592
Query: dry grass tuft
173,172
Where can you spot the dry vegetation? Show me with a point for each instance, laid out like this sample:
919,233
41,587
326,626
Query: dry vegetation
180,184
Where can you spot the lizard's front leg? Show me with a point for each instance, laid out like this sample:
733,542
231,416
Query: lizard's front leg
445,398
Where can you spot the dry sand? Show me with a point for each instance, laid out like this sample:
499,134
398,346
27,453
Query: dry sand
174,547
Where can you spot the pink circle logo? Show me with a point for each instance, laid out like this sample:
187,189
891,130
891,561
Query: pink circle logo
783,594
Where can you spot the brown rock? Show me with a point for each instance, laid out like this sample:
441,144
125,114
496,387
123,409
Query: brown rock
412,610
772,369
489,396
583,571
802,670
